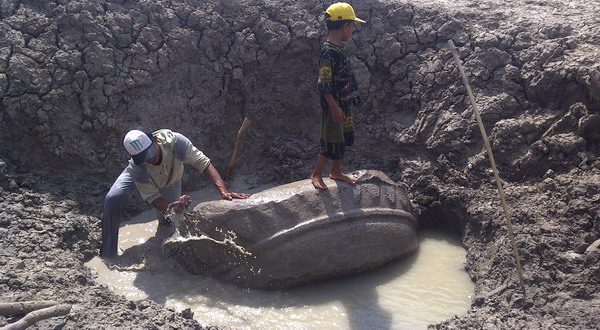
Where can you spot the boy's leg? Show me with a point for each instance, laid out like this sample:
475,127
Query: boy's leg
114,202
336,172
336,167
317,175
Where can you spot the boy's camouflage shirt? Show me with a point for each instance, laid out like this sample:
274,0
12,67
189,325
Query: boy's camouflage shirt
336,77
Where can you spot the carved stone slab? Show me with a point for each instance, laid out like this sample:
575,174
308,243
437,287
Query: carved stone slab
293,234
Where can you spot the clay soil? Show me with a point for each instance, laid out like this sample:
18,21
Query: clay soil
76,75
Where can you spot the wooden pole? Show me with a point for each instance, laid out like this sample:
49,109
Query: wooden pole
488,148
238,142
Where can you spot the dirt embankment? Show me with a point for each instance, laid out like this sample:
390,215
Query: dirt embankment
76,75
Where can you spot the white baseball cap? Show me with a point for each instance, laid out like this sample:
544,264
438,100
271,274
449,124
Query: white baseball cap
139,145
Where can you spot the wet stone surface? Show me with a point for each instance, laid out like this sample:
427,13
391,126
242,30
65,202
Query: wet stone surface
294,234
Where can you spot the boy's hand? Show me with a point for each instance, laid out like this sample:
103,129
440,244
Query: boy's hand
338,115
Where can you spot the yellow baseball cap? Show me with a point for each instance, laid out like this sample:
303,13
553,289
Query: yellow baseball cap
342,11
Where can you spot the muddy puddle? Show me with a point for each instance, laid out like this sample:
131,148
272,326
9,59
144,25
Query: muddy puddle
425,288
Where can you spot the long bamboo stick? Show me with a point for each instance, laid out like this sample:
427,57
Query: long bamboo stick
488,148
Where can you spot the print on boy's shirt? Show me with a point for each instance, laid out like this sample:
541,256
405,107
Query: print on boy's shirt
343,84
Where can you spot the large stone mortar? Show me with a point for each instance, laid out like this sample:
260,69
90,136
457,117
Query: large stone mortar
293,234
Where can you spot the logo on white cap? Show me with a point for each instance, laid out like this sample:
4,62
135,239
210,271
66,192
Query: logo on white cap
136,141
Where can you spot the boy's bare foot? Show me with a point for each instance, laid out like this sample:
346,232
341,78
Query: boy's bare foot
318,182
342,177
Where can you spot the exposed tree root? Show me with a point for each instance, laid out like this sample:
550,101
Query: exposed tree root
36,311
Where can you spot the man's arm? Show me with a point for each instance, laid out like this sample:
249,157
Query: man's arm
160,204
213,175
184,149
177,206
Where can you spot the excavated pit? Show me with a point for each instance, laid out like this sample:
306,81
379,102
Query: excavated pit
76,75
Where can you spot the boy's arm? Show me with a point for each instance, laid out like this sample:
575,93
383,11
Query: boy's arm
325,84
336,111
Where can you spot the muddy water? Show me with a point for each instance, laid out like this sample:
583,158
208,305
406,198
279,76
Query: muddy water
425,288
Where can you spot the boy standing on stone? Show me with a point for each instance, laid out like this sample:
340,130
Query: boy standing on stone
339,94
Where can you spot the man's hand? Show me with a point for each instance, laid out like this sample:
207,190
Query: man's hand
232,195
181,205
213,175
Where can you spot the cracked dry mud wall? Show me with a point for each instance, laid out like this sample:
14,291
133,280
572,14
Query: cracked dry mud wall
76,75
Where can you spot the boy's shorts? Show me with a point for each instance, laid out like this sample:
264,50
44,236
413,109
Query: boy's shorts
336,137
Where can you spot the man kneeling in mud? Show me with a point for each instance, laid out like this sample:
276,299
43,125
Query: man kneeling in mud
156,170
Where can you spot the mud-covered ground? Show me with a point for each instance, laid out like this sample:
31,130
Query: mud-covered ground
76,75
